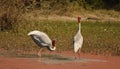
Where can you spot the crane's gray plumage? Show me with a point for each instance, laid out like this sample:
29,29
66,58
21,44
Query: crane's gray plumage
42,39
78,39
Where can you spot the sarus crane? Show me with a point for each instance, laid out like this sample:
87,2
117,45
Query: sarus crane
78,39
42,40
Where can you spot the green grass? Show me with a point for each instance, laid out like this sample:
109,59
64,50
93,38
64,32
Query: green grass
99,37
102,38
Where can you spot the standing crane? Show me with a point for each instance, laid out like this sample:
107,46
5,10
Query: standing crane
78,39
42,40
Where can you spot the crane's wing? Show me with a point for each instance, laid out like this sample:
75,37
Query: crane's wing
38,41
40,38
78,41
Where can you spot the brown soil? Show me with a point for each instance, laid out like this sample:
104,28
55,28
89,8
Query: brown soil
87,61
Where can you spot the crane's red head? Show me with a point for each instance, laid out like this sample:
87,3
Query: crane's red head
53,42
79,18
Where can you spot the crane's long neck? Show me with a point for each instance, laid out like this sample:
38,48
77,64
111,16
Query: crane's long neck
52,47
79,27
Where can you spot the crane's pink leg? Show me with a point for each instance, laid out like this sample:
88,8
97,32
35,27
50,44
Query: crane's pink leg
39,52
75,55
79,53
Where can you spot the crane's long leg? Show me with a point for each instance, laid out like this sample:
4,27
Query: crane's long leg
79,53
39,52
75,55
